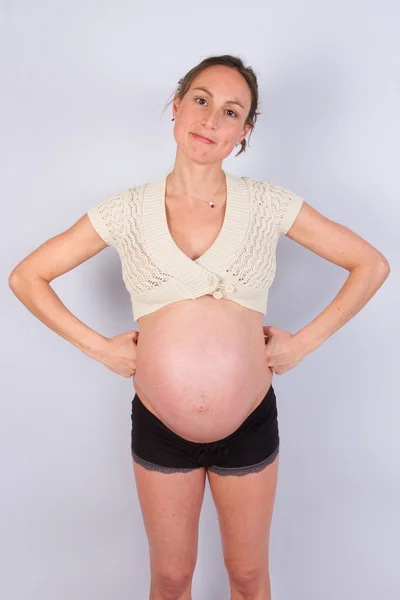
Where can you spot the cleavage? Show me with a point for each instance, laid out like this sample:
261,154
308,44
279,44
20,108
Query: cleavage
194,230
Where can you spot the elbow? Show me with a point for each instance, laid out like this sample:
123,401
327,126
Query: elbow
387,267
377,265
379,262
13,278
384,265
20,276
16,278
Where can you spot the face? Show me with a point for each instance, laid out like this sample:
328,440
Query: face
217,112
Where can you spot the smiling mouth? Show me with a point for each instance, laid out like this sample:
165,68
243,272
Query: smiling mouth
202,139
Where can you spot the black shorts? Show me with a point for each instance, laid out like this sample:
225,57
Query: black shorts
250,448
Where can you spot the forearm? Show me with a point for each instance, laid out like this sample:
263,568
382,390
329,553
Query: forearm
42,301
361,284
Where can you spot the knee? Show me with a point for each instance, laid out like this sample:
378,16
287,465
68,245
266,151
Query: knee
247,580
171,584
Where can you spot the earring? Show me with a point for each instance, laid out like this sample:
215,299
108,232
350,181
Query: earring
173,119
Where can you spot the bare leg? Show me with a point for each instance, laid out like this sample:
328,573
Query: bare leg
244,506
171,505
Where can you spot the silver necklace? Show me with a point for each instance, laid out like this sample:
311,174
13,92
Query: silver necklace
209,202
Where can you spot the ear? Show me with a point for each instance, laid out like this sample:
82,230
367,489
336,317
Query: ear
246,130
176,104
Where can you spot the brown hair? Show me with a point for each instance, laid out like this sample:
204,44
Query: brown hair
234,63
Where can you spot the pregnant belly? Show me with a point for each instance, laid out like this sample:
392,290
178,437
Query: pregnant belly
201,366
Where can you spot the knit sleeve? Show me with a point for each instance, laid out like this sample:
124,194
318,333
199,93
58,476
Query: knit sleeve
285,207
108,218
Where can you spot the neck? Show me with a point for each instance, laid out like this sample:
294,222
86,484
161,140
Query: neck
197,181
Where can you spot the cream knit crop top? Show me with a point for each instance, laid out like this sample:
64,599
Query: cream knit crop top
239,266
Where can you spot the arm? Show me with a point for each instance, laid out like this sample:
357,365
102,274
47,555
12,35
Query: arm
30,282
368,270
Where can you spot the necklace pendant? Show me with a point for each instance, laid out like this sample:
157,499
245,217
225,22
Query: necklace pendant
211,203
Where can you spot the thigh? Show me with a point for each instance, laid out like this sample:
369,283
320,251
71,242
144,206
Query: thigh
244,506
171,505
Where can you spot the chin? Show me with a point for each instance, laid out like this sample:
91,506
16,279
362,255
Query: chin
199,156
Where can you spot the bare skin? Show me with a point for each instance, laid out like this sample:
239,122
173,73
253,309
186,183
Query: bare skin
201,368
171,506
200,364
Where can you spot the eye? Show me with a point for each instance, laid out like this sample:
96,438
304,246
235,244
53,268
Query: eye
199,99
228,109
232,111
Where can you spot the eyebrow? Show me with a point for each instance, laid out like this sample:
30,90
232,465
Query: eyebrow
208,92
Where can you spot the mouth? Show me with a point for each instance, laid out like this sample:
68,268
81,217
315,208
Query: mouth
203,139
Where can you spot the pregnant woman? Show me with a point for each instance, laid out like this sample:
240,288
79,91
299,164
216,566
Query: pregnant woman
197,250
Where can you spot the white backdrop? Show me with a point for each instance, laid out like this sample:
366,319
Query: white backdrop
83,88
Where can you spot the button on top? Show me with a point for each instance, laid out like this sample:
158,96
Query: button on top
229,287
217,295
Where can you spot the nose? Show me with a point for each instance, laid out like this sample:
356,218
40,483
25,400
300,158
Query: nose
210,119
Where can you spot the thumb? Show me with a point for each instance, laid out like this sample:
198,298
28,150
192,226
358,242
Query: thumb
267,329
